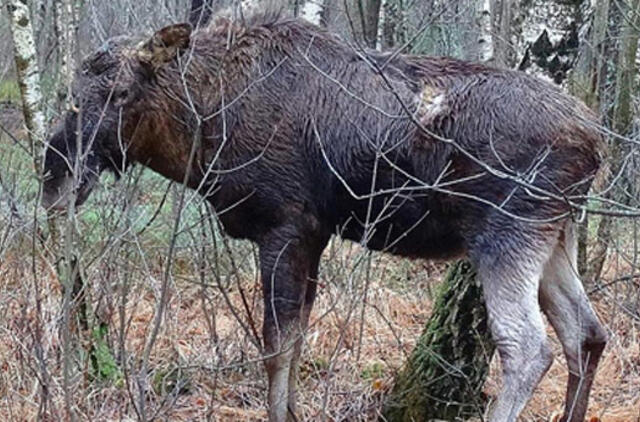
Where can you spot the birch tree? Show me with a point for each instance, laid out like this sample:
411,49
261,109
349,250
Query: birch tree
312,11
25,55
382,20
66,29
26,59
485,38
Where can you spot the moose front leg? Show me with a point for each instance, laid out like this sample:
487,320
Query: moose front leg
289,263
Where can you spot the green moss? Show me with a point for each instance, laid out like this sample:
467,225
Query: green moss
444,375
9,91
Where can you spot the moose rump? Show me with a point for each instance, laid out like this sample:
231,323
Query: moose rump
294,136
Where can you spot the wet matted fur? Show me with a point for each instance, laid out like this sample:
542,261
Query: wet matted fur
293,135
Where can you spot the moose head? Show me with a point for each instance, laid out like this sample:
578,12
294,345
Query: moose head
110,96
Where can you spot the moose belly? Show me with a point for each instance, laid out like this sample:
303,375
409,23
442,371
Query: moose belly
407,231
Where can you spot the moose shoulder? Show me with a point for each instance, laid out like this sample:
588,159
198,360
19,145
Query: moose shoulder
293,136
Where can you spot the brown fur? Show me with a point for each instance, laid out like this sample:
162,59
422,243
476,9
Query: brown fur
295,136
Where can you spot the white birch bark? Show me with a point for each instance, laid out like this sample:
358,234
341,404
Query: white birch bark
65,23
312,11
486,50
545,29
27,69
382,21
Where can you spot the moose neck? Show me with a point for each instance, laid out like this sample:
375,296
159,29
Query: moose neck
184,108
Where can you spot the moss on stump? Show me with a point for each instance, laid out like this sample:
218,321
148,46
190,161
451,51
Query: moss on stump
445,374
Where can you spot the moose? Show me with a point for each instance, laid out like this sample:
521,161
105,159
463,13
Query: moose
293,135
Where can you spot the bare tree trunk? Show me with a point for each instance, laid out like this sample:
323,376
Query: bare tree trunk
486,46
200,12
581,85
585,82
66,33
370,20
627,69
392,29
503,30
25,55
312,11
382,19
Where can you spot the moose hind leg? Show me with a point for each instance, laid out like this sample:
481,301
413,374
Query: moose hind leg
288,260
510,272
567,307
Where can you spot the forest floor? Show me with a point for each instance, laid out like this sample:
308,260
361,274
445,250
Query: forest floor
344,375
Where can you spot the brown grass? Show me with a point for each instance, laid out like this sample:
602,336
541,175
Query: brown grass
342,376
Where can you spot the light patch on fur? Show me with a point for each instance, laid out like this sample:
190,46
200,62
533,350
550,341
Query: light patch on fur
431,103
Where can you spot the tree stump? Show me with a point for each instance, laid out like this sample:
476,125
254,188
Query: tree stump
445,374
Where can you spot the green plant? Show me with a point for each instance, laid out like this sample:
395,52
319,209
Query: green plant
104,366
373,371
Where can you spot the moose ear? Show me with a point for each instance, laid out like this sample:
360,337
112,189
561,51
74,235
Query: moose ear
165,45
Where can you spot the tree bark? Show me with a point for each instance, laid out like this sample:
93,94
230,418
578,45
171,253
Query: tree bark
66,33
484,19
445,373
382,19
370,20
312,11
586,78
549,40
504,30
392,28
25,55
